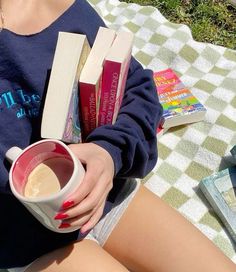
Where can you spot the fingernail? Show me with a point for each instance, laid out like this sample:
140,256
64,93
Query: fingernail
64,226
67,204
60,216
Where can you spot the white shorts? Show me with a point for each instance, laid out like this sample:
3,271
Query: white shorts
111,216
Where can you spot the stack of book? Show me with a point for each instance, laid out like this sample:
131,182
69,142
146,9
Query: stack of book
86,85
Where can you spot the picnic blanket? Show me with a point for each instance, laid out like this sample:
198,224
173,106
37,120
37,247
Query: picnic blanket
186,153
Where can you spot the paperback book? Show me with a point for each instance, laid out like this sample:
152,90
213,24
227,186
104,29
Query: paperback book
115,70
220,190
90,79
180,106
60,118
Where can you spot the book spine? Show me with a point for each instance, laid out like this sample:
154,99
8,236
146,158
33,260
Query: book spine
72,131
110,81
88,107
121,87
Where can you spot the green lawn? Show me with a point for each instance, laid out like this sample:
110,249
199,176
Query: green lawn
210,21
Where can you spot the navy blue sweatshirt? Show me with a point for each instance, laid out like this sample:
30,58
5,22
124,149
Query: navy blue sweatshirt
25,61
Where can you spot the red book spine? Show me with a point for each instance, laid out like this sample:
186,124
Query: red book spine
87,108
121,86
110,81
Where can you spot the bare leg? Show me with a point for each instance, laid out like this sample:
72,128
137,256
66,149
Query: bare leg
84,256
151,236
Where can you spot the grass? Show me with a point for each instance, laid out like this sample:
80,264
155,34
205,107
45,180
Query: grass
210,21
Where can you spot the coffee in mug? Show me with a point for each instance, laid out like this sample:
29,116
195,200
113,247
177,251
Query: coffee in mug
42,177
48,178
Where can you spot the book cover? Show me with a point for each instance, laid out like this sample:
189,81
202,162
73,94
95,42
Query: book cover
115,70
220,190
60,118
180,106
90,79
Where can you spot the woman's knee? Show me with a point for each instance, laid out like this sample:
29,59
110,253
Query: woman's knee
82,256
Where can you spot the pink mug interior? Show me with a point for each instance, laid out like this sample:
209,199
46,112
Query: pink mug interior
32,157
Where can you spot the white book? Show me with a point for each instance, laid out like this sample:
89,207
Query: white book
61,109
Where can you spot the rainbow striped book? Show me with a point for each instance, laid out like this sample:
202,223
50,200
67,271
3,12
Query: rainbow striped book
179,104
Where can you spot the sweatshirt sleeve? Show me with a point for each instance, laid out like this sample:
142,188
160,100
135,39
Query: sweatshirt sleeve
131,140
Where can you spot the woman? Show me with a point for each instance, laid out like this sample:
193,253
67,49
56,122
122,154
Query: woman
123,226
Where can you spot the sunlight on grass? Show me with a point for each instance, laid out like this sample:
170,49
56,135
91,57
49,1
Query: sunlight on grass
210,21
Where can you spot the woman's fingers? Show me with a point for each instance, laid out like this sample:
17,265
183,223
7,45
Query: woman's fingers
90,203
85,206
87,185
97,170
86,217
93,220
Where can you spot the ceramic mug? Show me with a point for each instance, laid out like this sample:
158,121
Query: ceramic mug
42,176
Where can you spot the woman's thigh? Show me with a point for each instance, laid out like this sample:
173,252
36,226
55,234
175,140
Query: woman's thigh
152,236
83,256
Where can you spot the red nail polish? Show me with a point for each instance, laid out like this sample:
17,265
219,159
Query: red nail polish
61,216
67,204
64,226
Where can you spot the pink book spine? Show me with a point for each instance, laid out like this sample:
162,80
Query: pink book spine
87,108
121,87
110,80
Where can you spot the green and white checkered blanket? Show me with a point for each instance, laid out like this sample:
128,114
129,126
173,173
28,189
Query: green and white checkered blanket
187,153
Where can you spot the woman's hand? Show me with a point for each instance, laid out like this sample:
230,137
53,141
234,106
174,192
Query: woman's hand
85,207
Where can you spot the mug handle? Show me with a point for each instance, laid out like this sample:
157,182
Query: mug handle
13,153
